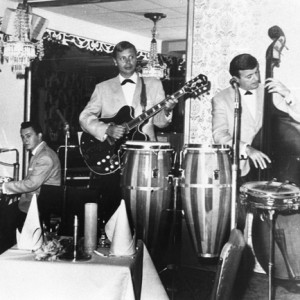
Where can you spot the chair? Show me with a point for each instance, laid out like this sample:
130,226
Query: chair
228,266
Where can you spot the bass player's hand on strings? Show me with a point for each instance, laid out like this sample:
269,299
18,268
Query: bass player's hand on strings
258,158
275,86
115,131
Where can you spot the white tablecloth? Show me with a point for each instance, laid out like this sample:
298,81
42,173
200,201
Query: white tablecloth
21,277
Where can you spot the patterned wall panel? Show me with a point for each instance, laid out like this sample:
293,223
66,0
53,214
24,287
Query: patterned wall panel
221,30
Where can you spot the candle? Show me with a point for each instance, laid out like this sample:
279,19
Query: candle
90,227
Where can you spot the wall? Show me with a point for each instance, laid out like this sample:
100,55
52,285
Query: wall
222,29
11,112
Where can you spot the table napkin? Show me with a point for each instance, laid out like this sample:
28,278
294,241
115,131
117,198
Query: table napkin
118,232
31,237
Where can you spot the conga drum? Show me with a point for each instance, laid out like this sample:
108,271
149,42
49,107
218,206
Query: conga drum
206,192
145,187
283,199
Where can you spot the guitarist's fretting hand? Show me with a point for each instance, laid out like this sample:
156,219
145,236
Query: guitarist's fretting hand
258,158
170,104
115,131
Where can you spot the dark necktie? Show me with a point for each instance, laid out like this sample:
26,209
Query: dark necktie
127,81
248,93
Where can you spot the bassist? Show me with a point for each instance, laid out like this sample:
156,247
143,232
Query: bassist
108,98
245,69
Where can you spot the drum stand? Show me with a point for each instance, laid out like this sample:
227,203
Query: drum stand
271,253
173,181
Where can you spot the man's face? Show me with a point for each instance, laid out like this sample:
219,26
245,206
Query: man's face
249,79
126,62
30,139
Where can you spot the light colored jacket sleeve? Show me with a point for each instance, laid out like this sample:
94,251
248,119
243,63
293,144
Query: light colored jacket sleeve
290,105
37,175
160,120
223,122
88,118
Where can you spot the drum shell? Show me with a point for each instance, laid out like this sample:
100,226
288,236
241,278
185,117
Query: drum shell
146,190
206,192
290,223
282,200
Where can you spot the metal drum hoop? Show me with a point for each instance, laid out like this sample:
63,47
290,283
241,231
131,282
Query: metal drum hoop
138,145
270,199
205,147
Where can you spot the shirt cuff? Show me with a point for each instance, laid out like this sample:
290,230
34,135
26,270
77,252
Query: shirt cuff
105,134
169,115
243,151
3,189
289,99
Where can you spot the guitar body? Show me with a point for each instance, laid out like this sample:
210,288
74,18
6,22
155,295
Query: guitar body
102,157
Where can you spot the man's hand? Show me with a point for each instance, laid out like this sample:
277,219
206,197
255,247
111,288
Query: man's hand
275,86
170,104
115,131
259,158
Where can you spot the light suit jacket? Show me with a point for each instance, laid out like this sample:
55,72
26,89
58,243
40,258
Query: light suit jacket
44,168
223,120
108,98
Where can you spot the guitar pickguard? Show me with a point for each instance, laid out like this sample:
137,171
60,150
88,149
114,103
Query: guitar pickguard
102,157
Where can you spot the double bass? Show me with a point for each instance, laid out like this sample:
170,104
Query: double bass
265,138
279,138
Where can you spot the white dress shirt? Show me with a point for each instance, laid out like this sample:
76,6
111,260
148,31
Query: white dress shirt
129,88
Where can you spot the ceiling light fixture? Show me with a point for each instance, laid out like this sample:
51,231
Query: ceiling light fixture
18,49
154,67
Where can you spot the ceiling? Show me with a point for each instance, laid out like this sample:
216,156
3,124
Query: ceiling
128,15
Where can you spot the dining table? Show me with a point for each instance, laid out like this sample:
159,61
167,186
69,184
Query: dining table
100,277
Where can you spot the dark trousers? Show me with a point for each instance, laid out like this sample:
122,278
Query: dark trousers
108,192
21,220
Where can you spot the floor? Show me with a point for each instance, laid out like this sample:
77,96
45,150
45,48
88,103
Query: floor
187,283
186,277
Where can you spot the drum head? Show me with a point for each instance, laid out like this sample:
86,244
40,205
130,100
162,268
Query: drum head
145,145
270,195
267,189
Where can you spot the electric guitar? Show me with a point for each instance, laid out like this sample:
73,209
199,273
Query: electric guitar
102,157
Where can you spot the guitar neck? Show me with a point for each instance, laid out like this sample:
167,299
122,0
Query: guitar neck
153,110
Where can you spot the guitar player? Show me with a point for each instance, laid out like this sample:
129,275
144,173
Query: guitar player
126,89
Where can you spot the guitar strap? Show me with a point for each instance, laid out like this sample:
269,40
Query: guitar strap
143,95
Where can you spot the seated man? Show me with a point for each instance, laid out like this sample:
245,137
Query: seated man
44,168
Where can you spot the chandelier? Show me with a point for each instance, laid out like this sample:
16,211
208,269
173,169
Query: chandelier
154,67
18,49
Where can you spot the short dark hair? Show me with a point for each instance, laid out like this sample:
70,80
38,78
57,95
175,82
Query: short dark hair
35,126
121,46
242,62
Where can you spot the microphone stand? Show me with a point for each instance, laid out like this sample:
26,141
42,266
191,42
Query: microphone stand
64,208
67,136
236,151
